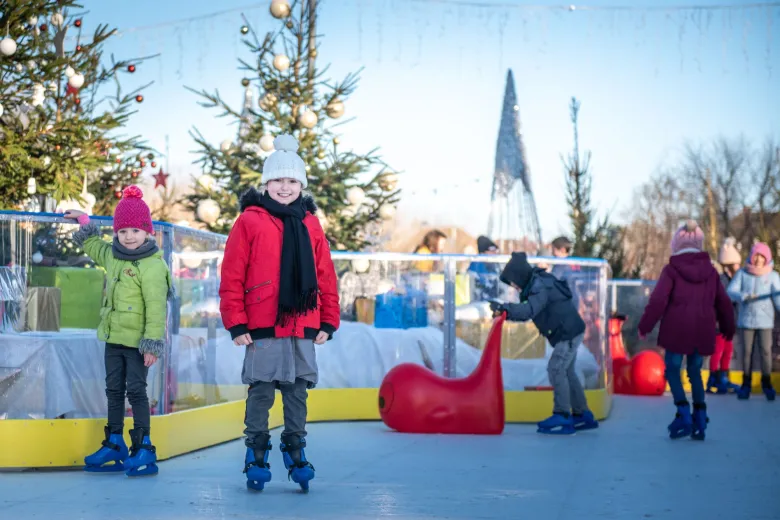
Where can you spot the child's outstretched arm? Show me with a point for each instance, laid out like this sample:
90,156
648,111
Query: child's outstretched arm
656,307
735,288
527,310
233,279
88,238
724,310
330,311
155,284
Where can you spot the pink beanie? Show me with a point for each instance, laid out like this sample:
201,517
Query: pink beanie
760,248
132,211
689,236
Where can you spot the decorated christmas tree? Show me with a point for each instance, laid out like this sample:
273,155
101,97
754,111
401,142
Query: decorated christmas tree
62,111
286,93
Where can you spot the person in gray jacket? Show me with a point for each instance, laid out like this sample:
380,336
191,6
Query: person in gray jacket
547,301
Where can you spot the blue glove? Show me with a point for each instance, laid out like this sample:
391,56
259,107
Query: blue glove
497,307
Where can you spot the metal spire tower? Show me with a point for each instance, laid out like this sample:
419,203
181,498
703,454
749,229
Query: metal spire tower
513,222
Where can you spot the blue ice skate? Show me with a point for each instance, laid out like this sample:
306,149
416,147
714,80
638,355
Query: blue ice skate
726,385
586,421
299,469
557,424
743,394
700,421
682,425
143,455
256,467
766,386
113,450
714,384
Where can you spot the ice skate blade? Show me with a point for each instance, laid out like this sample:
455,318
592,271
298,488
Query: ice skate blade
117,467
557,431
143,471
698,436
584,427
255,486
679,434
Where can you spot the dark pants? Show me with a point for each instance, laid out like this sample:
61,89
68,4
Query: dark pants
674,377
126,374
261,399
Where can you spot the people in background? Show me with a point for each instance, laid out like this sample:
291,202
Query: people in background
433,243
486,273
720,361
690,301
756,290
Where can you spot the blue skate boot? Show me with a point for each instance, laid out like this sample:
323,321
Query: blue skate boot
256,467
744,391
714,383
700,421
585,421
299,469
682,425
726,384
143,455
113,450
766,386
557,424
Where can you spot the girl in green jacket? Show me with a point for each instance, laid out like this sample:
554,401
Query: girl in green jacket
132,324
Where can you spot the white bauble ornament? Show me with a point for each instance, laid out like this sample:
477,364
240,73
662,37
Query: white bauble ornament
31,65
386,212
308,119
208,211
356,195
267,143
349,211
8,46
53,87
335,109
70,71
226,145
19,67
206,182
33,20
37,257
46,161
77,80
281,62
57,20
361,265
32,188
280,8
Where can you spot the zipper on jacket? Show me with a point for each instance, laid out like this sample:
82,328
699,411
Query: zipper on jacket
257,286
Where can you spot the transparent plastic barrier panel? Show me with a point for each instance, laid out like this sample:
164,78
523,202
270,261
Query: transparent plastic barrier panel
629,298
51,361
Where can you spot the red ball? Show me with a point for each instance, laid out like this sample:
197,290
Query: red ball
139,98
134,175
647,373
44,27
154,164
131,68
142,164
77,23
78,48
118,194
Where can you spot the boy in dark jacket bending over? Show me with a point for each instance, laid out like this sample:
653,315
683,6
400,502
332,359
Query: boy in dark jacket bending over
548,302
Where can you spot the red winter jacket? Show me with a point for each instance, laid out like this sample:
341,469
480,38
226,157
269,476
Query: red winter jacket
249,289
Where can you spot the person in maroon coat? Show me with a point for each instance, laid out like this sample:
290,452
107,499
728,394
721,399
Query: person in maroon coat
688,300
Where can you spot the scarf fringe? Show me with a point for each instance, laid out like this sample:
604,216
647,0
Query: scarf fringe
305,303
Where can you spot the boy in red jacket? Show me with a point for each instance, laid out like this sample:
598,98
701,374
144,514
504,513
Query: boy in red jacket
279,298
688,299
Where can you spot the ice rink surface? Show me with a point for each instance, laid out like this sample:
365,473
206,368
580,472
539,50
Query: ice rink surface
627,469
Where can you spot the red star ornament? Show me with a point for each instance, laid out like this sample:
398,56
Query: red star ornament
161,179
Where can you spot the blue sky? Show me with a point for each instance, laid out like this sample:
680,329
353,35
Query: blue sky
430,94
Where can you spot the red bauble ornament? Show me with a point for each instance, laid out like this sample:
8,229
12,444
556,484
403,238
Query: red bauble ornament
142,163
139,98
161,179
134,175
118,194
118,160
77,23
44,27
131,68
57,147
154,164
77,101
78,48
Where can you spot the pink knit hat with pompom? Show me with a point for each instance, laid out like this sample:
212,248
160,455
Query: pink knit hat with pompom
132,211
760,248
689,236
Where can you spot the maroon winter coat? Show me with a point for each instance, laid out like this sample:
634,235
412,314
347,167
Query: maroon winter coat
689,299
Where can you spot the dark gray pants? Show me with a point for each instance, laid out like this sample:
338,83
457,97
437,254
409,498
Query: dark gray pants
764,338
261,399
568,394
126,375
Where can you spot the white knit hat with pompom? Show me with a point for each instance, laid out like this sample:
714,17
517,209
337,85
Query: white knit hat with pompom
285,163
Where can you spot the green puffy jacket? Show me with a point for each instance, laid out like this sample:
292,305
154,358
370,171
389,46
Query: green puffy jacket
134,311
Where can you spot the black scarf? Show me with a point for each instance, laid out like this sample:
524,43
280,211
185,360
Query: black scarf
298,275
145,250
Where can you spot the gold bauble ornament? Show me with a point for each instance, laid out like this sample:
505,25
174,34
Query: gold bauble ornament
244,82
320,154
313,53
336,140
267,102
335,109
